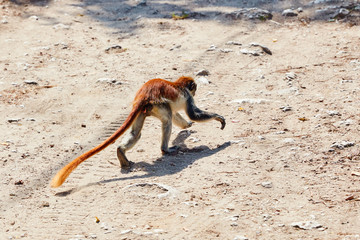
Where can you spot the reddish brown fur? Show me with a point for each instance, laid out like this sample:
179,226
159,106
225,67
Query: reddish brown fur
155,91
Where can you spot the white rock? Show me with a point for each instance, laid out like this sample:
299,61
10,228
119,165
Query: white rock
306,225
202,80
226,50
250,100
290,75
34,18
288,140
158,230
61,26
237,142
267,184
125,231
342,145
289,13
240,238
31,82
211,48
286,108
246,51
333,113
346,122
191,203
233,43
92,235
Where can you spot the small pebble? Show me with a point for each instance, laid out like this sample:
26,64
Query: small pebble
289,13
202,72
267,184
31,82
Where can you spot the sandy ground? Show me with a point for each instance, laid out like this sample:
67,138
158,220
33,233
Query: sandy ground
288,159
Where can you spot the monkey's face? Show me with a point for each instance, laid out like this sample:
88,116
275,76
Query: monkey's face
192,87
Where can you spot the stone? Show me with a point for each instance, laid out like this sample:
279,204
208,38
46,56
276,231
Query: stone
115,49
211,48
142,3
261,137
290,75
175,47
13,120
289,13
306,225
233,43
34,18
342,145
109,80
288,140
341,13
61,26
249,13
333,113
240,238
202,72
286,108
250,52
226,50
30,82
267,184
202,80
250,101
263,48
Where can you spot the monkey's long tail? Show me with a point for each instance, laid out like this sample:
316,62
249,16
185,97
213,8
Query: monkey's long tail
61,176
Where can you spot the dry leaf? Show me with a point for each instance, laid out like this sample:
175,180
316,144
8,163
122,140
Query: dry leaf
303,119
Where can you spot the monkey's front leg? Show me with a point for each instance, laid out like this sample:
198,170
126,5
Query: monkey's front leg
196,114
164,114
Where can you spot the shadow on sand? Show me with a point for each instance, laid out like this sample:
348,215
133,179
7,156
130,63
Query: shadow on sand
165,165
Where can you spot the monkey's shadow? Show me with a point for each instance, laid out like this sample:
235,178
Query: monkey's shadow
165,165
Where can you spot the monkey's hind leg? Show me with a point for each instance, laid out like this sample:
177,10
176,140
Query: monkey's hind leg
130,140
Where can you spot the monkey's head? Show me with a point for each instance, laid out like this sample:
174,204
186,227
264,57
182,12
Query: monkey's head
188,83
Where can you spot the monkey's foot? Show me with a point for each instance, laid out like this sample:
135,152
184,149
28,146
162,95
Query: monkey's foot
127,169
171,151
124,162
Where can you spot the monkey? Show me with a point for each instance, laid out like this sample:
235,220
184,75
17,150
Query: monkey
159,98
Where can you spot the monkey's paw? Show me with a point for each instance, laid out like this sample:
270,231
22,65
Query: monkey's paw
127,168
221,119
171,151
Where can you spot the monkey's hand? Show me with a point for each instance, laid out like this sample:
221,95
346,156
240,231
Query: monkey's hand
221,119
